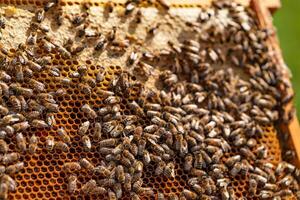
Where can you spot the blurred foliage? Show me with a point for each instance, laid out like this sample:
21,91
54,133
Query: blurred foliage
287,23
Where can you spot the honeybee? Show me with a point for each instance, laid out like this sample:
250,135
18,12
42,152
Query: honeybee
71,167
236,169
84,163
86,143
137,186
87,90
3,110
118,190
169,170
136,108
15,102
111,195
97,131
40,15
72,183
36,123
63,135
101,44
4,89
120,174
88,187
102,171
49,142
84,128
21,142
33,144
160,168
3,191
50,120
127,183
10,182
61,146
50,4
188,162
89,111
21,126
10,158
232,160
15,168
108,142
4,76
189,194
3,146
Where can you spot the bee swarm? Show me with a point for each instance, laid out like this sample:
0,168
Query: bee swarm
141,101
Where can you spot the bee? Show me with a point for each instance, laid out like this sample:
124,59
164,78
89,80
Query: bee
188,162
84,127
160,196
107,127
49,142
112,100
232,160
111,195
129,155
169,170
4,88
3,146
112,34
2,24
236,169
72,183
59,18
36,123
261,151
137,186
3,110
4,76
21,142
98,191
3,191
160,168
89,111
102,171
101,44
89,186
63,135
50,120
118,190
84,163
10,158
10,182
108,142
136,108
15,168
127,183
71,167
15,102
132,58
146,157
79,19
33,144
78,49
189,194
31,40
97,131
50,4
173,196
61,146
86,143
40,15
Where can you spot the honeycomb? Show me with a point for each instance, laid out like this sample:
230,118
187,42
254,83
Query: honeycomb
43,176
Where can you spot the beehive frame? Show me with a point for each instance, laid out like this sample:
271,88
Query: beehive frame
264,17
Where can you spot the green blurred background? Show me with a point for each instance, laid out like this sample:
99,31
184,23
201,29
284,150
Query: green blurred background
287,21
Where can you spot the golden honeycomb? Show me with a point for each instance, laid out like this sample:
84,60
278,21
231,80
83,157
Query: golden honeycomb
42,176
